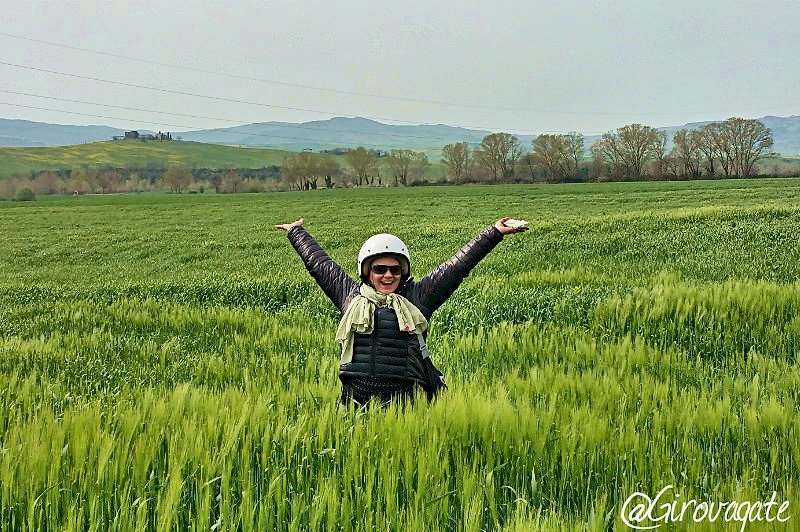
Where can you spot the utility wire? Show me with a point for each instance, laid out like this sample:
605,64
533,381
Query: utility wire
246,102
326,89
271,124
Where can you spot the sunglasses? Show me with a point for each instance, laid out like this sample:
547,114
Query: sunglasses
381,269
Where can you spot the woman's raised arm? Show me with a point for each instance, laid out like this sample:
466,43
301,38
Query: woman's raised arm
434,289
331,277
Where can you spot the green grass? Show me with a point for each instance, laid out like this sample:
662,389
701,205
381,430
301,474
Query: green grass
167,363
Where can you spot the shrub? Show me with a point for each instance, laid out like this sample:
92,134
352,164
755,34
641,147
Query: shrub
24,194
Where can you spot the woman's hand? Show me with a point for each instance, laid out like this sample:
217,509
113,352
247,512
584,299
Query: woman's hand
286,227
506,230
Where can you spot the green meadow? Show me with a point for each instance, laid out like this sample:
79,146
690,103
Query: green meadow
166,362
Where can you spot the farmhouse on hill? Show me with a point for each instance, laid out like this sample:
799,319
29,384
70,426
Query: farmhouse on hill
134,135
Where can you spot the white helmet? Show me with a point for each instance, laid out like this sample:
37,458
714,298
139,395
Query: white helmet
383,244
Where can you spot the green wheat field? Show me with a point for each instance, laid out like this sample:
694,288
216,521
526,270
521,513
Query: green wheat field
166,362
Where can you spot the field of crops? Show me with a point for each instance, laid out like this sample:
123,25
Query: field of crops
166,362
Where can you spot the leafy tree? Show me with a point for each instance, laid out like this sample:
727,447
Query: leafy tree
302,170
364,164
456,158
405,164
687,151
751,141
707,148
399,162
498,153
576,148
330,169
419,165
554,155
629,149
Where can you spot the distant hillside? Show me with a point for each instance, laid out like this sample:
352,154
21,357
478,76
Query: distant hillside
136,154
785,131
335,132
26,133
340,131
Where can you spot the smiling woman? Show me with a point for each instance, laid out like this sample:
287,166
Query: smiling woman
384,322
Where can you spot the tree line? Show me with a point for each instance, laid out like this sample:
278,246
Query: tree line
176,179
633,152
308,171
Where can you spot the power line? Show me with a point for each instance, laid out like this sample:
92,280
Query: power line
246,102
293,126
327,89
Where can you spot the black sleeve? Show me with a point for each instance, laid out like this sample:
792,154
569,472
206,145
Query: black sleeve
331,277
437,286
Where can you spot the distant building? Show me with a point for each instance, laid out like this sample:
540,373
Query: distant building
134,135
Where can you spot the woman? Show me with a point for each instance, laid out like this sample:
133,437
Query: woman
385,316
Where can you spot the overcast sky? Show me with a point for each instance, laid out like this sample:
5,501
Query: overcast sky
505,66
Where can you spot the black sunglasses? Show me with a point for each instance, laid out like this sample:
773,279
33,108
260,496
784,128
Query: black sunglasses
381,269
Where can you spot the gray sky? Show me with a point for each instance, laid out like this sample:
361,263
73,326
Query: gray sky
585,66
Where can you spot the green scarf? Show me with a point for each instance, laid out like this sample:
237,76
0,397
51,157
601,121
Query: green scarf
359,316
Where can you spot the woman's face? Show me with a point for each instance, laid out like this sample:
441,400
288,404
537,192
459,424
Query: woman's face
381,276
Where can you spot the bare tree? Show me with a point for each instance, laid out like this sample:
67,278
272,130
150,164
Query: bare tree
108,181
498,153
83,179
45,183
177,178
456,158
134,183
232,182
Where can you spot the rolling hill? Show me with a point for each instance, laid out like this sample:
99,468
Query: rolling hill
137,154
144,154
332,133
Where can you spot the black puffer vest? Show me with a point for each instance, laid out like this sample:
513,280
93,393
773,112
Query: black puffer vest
388,352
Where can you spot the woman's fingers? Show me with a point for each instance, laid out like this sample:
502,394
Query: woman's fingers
286,227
